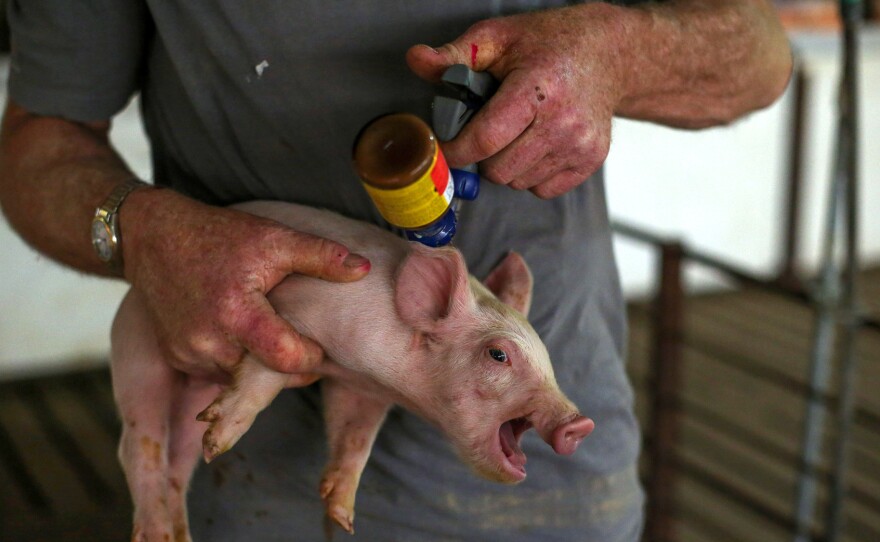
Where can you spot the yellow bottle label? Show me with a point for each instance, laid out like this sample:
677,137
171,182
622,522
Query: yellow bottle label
419,203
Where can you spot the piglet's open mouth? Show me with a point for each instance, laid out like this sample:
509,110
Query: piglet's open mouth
509,435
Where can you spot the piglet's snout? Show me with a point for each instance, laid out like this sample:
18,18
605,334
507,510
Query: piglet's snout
567,436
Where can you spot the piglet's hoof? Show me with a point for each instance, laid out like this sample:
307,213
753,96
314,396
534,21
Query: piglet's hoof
336,508
342,518
228,420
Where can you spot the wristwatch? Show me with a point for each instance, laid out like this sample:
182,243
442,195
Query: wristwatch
105,226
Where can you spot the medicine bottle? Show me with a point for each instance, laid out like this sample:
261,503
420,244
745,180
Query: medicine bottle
402,168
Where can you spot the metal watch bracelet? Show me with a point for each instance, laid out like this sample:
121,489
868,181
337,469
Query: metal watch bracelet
106,234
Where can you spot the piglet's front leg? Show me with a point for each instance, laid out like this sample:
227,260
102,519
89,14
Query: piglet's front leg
253,388
352,421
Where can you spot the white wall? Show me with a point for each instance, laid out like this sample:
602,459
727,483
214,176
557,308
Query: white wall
51,317
719,189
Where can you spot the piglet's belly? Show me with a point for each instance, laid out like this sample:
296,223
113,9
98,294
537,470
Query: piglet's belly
362,383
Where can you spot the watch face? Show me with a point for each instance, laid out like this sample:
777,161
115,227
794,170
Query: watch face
103,240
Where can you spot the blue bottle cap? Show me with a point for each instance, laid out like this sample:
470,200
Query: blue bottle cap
467,184
438,234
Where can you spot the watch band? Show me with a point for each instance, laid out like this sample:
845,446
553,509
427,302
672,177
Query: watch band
117,196
106,235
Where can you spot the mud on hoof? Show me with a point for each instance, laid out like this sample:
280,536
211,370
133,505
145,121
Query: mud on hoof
182,535
228,420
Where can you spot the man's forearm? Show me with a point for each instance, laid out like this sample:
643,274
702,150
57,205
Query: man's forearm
202,271
566,72
53,175
698,63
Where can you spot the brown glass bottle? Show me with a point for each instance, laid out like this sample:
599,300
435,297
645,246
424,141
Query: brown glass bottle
394,150
403,170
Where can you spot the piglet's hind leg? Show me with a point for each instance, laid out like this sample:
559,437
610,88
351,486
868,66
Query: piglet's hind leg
185,447
352,422
144,386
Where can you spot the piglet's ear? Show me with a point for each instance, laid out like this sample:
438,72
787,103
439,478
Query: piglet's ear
511,281
432,284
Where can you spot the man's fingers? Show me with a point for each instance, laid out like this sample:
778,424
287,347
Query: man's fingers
275,342
302,380
507,115
427,62
214,363
514,163
559,184
545,169
315,256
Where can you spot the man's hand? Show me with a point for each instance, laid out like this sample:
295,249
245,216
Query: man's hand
204,272
565,72
548,127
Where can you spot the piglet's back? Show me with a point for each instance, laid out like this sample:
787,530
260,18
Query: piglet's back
358,236
356,323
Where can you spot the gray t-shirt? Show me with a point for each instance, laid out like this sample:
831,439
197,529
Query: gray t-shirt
262,99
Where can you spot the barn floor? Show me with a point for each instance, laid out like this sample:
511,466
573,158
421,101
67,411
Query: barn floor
745,360
745,357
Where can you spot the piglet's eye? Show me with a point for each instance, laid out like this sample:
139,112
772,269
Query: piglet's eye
498,355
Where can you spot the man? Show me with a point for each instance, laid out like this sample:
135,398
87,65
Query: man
249,100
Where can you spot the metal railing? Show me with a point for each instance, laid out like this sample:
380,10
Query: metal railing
665,385
834,299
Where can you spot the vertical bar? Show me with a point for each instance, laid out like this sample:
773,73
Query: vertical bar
814,422
836,301
668,330
827,302
851,14
788,275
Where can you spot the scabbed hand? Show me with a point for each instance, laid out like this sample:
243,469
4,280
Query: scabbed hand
548,127
204,273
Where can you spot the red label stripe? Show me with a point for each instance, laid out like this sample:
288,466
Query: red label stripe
440,173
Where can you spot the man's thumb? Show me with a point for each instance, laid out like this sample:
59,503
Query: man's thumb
429,63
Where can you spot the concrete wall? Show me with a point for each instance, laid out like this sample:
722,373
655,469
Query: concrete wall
719,189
